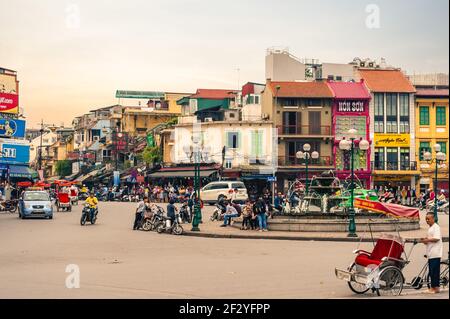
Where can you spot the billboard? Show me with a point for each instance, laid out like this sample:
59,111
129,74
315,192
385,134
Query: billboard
9,103
14,153
392,140
12,128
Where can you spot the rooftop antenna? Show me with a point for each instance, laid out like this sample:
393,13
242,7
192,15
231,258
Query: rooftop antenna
238,78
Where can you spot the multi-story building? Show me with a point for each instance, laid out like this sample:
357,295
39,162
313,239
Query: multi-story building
351,111
393,152
432,113
9,91
251,101
302,114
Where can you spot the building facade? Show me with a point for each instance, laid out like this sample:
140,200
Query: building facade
393,151
350,110
302,114
432,113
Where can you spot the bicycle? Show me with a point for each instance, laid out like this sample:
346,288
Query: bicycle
424,278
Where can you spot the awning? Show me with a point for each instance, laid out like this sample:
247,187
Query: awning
85,177
177,174
18,171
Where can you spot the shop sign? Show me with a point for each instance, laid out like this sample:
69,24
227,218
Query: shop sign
347,106
14,153
392,140
12,128
9,103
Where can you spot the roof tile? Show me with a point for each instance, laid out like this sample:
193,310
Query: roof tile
391,81
301,89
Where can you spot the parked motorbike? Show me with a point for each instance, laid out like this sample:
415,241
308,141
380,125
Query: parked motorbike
86,215
153,219
185,213
218,213
444,208
9,205
170,227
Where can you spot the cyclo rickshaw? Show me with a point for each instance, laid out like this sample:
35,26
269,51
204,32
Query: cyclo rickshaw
63,202
381,269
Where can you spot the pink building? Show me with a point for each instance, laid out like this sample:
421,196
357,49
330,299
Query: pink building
350,109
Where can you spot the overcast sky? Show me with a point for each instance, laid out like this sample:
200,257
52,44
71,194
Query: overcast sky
72,55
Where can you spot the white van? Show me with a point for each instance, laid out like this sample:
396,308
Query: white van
234,190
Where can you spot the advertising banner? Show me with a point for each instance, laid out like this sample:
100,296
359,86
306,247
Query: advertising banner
12,128
14,153
392,140
116,178
393,210
9,103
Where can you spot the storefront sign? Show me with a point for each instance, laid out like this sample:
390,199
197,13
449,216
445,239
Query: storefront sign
12,128
351,106
9,103
116,178
14,153
392,140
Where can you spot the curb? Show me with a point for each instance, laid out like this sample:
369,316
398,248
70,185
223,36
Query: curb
278,237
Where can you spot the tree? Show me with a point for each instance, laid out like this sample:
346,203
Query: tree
151,155
64,168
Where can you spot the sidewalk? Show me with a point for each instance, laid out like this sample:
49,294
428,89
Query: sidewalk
213,230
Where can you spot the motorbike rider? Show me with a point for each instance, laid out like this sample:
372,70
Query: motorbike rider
141,207
441,198
171,209
222,203
92,201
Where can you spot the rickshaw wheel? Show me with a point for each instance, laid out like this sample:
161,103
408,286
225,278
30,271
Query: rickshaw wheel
391,282
356,287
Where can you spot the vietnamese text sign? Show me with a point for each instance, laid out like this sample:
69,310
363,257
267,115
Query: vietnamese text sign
351,106
392,140
12,128
9,103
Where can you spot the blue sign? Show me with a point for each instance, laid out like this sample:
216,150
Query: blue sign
14,153
116,178
271,179
12,128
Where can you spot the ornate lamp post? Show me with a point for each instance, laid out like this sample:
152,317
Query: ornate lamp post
439,159
306,155
350,145
196,153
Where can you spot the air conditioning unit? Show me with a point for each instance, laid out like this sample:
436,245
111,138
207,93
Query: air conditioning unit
362,64
208,119
371,64
265,116
96,138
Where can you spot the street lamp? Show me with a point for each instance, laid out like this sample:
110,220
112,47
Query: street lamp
440,158
196,153
349,145
306,155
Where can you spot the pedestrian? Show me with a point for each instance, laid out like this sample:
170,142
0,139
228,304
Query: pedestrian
408,197
171,210
260,210
140,209
246,215
404,194
434,252
229,213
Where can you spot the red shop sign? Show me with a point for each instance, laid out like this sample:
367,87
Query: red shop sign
8,102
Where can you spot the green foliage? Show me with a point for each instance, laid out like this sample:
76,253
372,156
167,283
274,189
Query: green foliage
173,121
64,168
151,155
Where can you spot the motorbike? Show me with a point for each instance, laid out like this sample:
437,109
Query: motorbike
185,213
83,196
218,213
153,219
9,205
86,215
170,227
444,208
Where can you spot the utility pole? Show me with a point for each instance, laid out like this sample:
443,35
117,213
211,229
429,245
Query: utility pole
40,147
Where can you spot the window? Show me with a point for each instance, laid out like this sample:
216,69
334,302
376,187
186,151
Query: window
379,158
404,113
338,78
331,77
313,102
423,148
290,102
379,112
228,164
292,123
443,147
257,144
233,140
392,158
404,159
193,105
391,113
440,115
424,115
238,186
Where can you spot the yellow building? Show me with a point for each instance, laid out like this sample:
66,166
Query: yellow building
9,91
432,114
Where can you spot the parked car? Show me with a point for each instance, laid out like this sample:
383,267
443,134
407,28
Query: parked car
235,190
35,204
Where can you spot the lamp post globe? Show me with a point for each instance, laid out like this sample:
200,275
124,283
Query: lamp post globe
344,145
437,148
299,155
427,156
364,145
315,155
307,147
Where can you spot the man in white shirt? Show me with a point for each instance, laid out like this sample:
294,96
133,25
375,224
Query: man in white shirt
434,252
229,213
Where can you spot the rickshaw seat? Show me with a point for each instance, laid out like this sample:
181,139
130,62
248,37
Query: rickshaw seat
385,247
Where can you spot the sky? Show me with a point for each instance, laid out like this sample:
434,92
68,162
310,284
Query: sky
72,55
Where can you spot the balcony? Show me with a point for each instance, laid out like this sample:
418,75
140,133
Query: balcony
304,130
394,166
294,161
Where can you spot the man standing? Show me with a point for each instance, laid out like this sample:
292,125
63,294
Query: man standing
140,209
434,252
260,210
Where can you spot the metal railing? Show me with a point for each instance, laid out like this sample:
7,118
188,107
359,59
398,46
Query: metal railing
294,161
324,130
394,166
